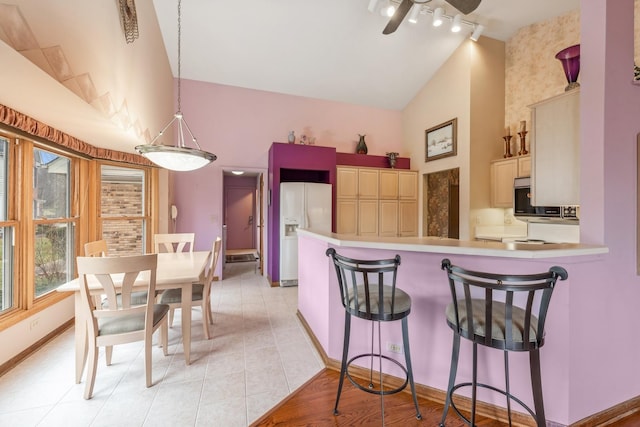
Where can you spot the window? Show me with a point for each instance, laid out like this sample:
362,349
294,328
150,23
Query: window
7,293
122,209
54,238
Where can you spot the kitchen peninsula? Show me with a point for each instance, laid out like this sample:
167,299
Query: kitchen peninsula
421,277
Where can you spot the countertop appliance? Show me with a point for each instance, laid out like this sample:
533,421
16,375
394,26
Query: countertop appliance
306,205
523,210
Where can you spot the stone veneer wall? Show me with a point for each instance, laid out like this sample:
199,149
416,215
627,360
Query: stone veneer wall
124,237
532,73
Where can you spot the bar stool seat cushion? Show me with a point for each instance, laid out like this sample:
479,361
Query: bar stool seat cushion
402,303
498,324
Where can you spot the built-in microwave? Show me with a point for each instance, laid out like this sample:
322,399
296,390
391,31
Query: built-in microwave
523,209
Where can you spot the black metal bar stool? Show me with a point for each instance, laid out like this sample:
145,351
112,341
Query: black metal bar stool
368,291
514,309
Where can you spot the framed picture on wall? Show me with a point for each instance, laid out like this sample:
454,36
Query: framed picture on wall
441,141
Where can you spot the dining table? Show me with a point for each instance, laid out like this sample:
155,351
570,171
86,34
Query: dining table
175,270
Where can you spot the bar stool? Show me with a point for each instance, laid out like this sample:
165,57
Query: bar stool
514,308
368,291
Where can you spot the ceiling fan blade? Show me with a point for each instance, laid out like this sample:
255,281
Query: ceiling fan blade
397,17
465,6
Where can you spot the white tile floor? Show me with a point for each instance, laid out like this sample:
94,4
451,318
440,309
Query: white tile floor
259,354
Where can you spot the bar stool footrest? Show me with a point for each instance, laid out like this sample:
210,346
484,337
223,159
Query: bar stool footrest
373,390
487,386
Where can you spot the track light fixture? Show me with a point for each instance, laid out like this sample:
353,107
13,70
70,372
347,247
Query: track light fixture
455,25
419,8
415,11
437,17
477,32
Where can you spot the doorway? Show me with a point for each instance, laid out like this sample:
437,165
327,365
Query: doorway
442,213
243,218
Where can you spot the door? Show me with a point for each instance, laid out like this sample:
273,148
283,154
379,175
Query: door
240,203
318,207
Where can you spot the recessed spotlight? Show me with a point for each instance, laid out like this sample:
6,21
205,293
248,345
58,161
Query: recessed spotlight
237,172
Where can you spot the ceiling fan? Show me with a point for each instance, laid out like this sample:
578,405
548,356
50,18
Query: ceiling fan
464,6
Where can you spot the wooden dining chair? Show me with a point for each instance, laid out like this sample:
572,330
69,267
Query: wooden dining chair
95,248
99,248
201,293
173,242
120,322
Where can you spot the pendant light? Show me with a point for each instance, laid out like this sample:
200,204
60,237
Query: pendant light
177,157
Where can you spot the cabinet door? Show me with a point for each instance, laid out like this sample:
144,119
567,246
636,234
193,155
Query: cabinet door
388,184
524,166
367,217
407,218
503,173
347,216
368,183
555,174
347,183
408,185
388,218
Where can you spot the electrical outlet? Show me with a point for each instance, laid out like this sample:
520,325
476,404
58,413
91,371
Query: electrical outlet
34,323
394,348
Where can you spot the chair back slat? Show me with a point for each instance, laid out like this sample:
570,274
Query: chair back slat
513,308
173,242
367,287
95,248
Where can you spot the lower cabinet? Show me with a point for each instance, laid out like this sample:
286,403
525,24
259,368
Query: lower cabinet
347,216
367,217
388,226
407,218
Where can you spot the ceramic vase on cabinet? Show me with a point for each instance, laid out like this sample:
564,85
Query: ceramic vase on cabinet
361,148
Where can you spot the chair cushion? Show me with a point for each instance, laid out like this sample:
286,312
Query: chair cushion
498,327
402,300
174,296
131,323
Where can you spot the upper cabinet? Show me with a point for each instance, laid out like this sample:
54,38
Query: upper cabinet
503,172
555,150
376,202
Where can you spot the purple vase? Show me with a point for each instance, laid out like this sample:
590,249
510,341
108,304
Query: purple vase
570,58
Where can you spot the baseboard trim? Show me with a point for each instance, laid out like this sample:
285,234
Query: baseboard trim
14,361
611,415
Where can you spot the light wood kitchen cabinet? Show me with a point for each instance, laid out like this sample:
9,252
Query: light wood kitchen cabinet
368,186
347,216
370,202
367,217
503,172
407,218
347,183
555,173
408,185
388,218
388,184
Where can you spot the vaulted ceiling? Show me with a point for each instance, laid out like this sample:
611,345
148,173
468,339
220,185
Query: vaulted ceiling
68,63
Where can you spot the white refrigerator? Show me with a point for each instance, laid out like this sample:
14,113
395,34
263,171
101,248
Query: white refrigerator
305,205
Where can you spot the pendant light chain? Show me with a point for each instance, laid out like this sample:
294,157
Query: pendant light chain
179,40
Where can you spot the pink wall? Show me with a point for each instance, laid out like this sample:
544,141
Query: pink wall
239,125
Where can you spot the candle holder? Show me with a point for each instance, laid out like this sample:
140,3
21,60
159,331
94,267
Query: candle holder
507,146
523,143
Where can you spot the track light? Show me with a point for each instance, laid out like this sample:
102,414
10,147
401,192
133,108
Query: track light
415,11
437,17
389,10
372,5
477,32
455,25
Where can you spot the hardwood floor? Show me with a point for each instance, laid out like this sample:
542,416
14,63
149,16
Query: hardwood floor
312,405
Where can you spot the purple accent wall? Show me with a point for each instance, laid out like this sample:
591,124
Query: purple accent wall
367,160
300,158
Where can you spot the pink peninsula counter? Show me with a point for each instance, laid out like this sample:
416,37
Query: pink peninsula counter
421,277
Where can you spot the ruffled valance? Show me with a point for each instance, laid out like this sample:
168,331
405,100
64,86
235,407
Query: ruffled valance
17,120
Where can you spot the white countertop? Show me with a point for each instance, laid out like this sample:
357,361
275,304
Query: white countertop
499,232
459,247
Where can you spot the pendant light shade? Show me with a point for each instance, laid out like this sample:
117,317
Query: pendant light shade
177,157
